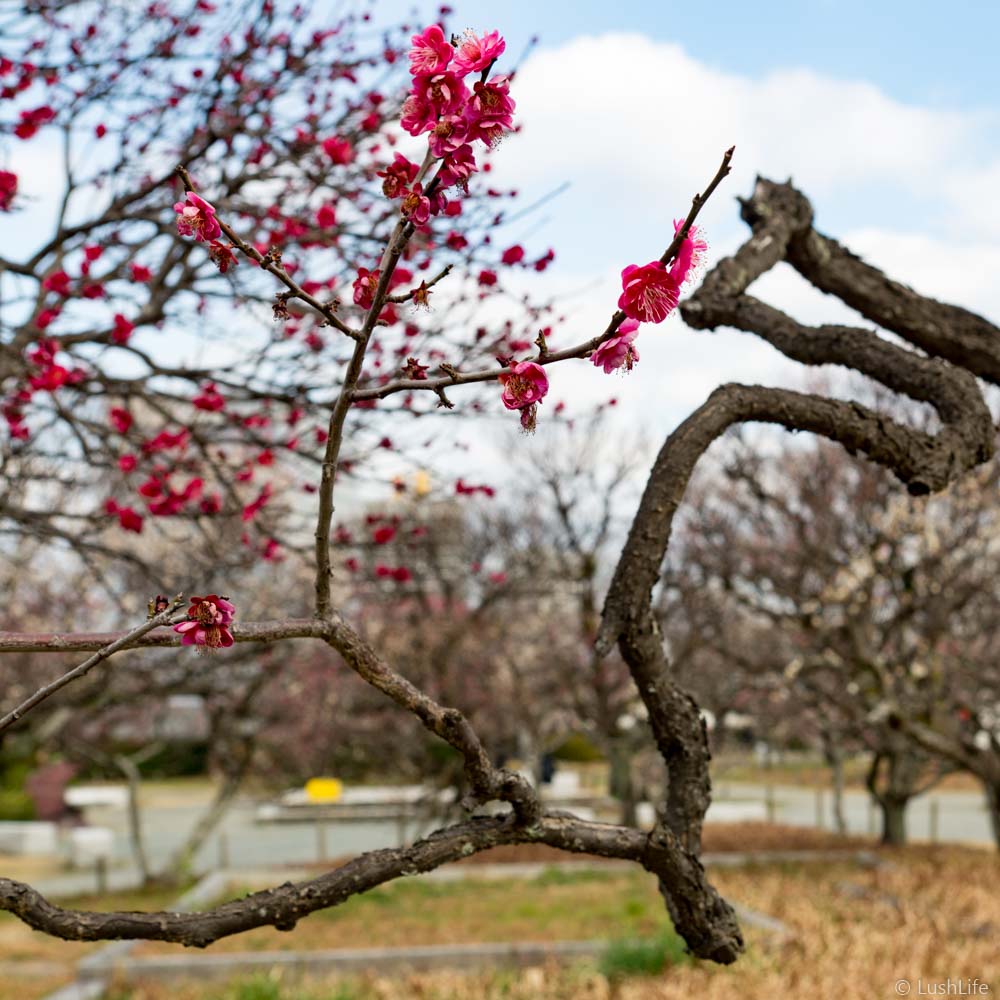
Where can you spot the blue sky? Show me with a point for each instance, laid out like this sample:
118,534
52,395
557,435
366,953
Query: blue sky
915,50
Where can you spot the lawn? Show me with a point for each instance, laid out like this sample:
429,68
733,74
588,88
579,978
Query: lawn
928,913
555,906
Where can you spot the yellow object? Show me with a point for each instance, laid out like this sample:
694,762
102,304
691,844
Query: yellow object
323,789
421,483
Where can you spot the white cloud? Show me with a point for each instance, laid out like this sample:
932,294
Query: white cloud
962,271
638,126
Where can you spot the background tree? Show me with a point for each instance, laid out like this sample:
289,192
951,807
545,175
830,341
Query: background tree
863,599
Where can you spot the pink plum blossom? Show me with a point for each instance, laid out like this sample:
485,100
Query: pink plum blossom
222,256
524,386
619,351
208,623
476,54
339,150
416,205
513,254
649,293
447,135
195,217
445,91
691,254
364,287
431,51
431,98
398,176
524,383
490,110
122,330
458,167
8,189
418,115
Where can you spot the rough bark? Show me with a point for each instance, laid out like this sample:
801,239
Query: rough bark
992,792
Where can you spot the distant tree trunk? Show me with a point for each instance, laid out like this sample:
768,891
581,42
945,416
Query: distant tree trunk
893,820
992,790
835,760
894,794
237,762
181,861
130,769
622,785
718,734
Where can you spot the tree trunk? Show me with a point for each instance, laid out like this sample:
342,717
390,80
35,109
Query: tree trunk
893,819
992,790
130,769
835,759
893,797
180,863
622,787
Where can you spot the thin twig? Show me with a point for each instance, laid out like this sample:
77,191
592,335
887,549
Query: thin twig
543,357
268,263
84,668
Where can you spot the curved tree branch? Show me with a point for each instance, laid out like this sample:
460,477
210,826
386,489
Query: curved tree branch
781,220
284,905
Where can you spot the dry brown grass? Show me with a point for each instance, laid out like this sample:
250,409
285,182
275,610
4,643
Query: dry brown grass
923,912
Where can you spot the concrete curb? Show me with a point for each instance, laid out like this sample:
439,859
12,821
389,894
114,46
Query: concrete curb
348,960
92,990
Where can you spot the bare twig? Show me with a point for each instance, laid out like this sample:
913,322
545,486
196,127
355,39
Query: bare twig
545,357
268,263
84,668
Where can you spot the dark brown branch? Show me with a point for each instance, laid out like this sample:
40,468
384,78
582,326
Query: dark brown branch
486,781
781,219
283,906
943,330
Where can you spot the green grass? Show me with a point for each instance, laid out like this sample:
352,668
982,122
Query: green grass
582,905
644,956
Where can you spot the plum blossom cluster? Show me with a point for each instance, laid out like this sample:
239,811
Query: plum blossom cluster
45,374
649,294
442,104
208,621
